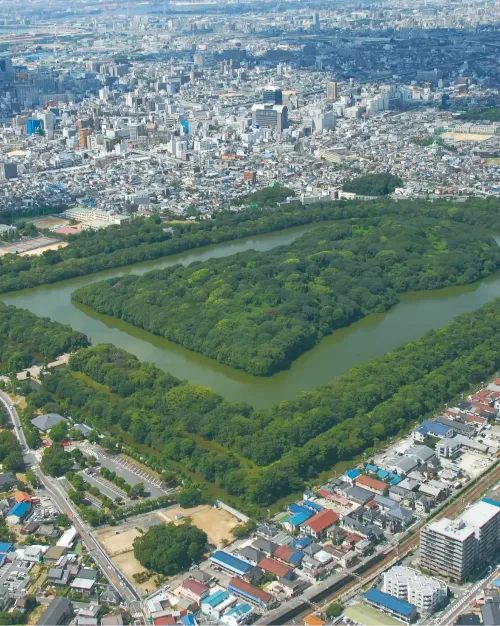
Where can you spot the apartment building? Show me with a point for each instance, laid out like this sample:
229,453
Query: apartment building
425,592
448,547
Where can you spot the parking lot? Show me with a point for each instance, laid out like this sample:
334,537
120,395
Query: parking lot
16,576
126,469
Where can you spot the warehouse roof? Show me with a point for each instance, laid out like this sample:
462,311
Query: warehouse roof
390,602
230,561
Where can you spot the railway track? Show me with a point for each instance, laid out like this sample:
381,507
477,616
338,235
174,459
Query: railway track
470,495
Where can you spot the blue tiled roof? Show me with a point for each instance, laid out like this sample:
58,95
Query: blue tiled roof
353,473
303,542
382,474
19,509
396,480
428,426
5,547
309,504
298,508
216,598
371,468
390,602
487,500
296,557
188,620
300,518
230,561
240,609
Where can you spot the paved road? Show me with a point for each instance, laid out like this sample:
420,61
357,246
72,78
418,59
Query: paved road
462,603
58,495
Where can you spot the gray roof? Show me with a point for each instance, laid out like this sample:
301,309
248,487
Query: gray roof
398,512
7,478
458,427
58,612
359,494
252,554
87,573
198,575
312,549
265,545
47,421
406,464
422,453
490,613
385,502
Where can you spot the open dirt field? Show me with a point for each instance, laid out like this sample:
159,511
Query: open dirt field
117,541
50,222
39,251
215,522
466,136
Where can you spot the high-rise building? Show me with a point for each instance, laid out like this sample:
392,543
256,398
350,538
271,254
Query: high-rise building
332,91
273,95
456,548
425,592
8,171
270,116
448,547
83,133
484,517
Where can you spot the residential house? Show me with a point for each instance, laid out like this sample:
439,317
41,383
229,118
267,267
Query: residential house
359,494
58,576
58,612
278,569
318,525
192,590
371,484
85,580
433,429
290,555
251,554
266,546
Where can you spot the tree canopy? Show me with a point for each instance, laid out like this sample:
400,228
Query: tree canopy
373,184
55,461
491,114
24,337
258,311
169,549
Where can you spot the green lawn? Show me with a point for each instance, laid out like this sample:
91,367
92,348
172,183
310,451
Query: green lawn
369,616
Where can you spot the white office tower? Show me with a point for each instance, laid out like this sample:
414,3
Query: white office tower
425,592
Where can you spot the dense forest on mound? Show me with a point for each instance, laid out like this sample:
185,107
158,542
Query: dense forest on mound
25,338
148,239
373,184
258,311
491,114
261,456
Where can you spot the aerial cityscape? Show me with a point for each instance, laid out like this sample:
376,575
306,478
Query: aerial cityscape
250,312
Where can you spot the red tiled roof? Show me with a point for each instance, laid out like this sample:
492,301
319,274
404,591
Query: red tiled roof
195,586
242,585
353,538
164,621
322,520
274,567
283,553
371,483
325,493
